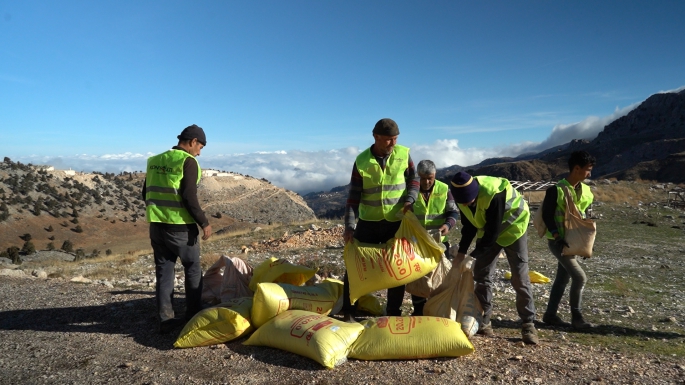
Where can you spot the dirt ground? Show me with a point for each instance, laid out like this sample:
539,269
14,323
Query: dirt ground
56,332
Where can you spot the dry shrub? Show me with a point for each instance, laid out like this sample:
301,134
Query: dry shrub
630,192
208,260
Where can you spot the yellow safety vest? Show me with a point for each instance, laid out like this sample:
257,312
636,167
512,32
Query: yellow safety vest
163,203
516,214
431,214
582,202
383,190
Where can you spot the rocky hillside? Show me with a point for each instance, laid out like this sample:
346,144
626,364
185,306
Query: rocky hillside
90,213
647,143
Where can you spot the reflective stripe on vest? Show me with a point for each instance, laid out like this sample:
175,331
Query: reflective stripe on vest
163,201
582,202
431,214
383,190
516,214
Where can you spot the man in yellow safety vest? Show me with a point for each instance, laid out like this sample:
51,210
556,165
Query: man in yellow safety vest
436,210
494,213
553,213
173,211
383,183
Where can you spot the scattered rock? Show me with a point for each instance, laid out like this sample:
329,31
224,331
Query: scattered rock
12,273
80,279
40,274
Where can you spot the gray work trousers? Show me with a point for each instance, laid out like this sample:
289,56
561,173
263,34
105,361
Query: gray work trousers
167,247
568,268
484,267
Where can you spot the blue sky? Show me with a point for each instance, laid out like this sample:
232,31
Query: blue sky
290,90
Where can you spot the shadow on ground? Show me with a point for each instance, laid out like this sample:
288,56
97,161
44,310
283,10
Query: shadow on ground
135,318
604,330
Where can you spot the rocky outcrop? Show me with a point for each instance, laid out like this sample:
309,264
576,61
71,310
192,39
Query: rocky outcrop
251,200
641,145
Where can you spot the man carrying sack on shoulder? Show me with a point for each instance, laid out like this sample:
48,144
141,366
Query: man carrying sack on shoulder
554,209
494,213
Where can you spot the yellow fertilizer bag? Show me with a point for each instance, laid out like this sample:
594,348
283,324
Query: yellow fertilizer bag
321,338
215,325
535,277
370,304
409,256
280,271
406,338
272,299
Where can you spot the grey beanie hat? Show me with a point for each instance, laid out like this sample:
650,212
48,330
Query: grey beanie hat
386,127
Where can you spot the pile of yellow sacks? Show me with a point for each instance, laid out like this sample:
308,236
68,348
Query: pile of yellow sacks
286,315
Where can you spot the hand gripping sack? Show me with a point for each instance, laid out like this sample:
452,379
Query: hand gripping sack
216,325
280,271
456,300
406,338
271,299
321,338
410,255
579,233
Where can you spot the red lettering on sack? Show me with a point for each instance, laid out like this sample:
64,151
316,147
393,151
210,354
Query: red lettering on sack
399,267
399,325
302,324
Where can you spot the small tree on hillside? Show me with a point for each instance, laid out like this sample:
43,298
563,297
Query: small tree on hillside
26,237
50,229
38,207
13,253
80,254
68,246
78,229
50,246
28,248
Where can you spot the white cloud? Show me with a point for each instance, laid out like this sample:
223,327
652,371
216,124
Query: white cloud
587,128
306,171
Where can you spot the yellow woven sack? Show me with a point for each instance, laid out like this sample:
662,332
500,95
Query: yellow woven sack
321,338
280,271
409,256
406,338
272,299
535,277
221,323
369,303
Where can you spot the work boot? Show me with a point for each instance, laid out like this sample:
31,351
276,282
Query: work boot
555,321
486,330
529,334
579,323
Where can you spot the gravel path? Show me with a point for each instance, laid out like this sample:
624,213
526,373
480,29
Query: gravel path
57,332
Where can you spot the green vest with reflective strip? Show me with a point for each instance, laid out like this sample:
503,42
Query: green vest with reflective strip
163,202
516,214
383,190
431,214
582,202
